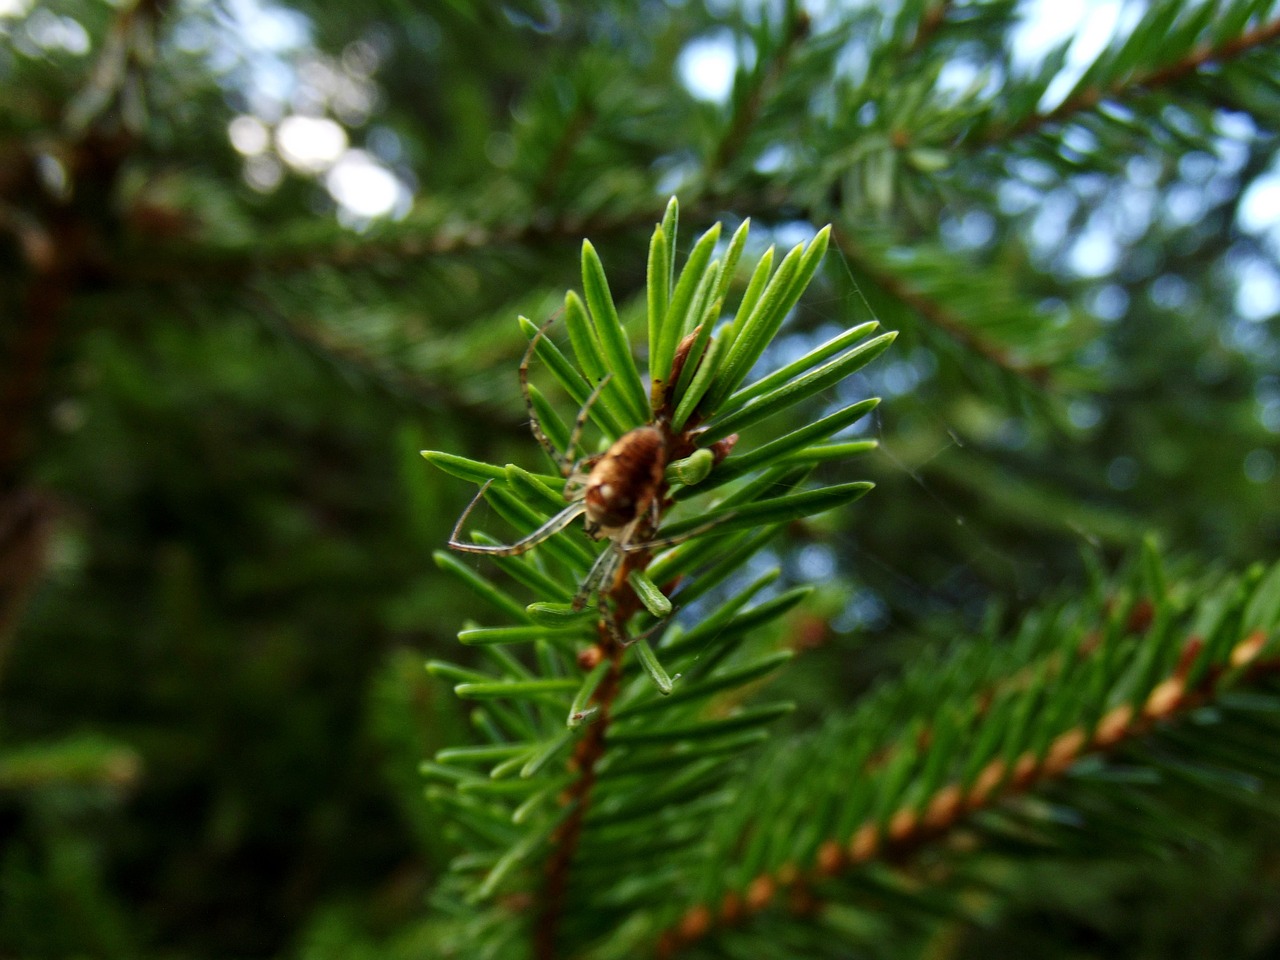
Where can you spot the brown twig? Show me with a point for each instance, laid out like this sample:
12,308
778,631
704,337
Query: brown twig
745,116
623,604
930,21
911,828
561,154
1090,97
564,842
45,298
1138,620
329,347
62,233
935,313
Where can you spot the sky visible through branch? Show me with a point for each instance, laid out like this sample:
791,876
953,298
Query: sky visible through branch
308,114
305,113
301,112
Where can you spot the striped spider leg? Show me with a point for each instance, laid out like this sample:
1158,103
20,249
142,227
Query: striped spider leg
575,471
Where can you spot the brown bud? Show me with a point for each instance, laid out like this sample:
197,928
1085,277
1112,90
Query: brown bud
992,776
1164,699
902,824
831,858
678,361
1113,725
760,891
865,842
722,448
944,807
1024,770
1248,649
1064,751
695,924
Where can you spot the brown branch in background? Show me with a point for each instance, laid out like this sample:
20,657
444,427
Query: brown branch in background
25,372
560,156
748,108
26,521
460,240
62,230
197,263
1090,97
935,313
930,21
328,347
26,514
911,828
169,263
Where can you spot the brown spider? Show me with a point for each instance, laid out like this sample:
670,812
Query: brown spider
619,492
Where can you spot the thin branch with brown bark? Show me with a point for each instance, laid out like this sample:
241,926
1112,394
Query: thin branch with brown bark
794,887
1139,83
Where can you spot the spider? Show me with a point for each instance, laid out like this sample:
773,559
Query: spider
619,492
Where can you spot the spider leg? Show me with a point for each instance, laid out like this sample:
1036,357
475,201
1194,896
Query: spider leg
544,532
651,631
565,461
606,565
576,484
661,542
606,617
535,427
616,630
580,421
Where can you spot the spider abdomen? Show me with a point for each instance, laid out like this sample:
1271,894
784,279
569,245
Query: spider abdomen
625,480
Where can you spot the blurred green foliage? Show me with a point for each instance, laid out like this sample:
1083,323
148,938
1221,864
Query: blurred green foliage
223,346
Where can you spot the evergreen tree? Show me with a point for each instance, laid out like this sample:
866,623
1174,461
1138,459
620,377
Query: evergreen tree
1018,699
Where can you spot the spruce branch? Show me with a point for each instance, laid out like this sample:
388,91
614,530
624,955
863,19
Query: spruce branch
1130,691
355,360
623,681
